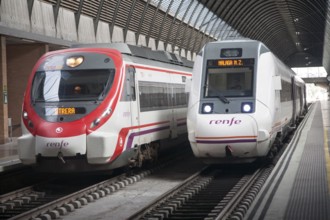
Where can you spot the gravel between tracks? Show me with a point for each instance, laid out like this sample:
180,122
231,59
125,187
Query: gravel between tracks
124,203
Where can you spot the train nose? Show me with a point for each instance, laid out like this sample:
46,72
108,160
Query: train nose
55,139
56,130
227,136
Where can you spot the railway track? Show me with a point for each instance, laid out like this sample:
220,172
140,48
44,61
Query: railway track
47,202
58,197
210,194
214,193
222,192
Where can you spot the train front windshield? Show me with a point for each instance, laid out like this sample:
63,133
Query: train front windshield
229,79
71,85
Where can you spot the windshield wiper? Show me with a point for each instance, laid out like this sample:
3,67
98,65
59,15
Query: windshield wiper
219,95
223,99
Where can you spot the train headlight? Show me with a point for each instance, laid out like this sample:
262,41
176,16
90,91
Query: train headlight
74,61
25,115
247,107
207,108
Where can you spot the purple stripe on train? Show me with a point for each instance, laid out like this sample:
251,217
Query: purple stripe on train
134,134
226,141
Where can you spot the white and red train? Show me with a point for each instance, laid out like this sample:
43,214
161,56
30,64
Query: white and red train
242,100
100,107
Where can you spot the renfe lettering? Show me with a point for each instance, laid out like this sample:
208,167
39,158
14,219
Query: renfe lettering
57,144
229,122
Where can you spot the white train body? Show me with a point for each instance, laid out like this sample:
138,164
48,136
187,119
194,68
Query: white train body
139,101
241,99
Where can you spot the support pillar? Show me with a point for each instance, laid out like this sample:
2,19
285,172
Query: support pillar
26,55
4,92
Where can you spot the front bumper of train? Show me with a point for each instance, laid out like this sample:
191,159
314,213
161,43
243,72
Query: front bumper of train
228,137
96,148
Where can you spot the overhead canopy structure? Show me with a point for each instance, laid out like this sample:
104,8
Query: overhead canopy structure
297,31
185,25
293,29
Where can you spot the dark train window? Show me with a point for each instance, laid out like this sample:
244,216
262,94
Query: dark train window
286,92
129,93
73,85
158,96
229,82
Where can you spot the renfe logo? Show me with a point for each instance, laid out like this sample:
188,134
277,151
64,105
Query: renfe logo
57,144
225,122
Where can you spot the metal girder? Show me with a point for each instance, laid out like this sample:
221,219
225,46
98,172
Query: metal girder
181,22
218,27
129,20
152,22
199,30
78,13
162,25
186,26
207,23
171,25
190,37
141,21
97,18
56,9
114,17
30,7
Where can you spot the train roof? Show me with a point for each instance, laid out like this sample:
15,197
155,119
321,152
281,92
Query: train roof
143,52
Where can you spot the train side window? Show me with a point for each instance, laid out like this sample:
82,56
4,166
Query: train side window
154,96
131,84
37,88
286,92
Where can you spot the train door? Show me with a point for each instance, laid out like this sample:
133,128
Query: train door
293,97
278,107
134,103
173,111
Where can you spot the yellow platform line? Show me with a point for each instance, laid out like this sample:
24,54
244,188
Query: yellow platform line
327,157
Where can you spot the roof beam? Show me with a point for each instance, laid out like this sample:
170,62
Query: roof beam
97,18
137,35
56,9
30,7
78,13
152,22
163,22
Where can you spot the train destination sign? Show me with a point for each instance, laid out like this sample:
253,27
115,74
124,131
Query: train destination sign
64,111
230,62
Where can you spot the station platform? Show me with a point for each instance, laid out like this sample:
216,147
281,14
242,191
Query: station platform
9,156
299,185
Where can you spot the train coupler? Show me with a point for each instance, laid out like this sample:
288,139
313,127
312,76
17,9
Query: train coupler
60,156
229,151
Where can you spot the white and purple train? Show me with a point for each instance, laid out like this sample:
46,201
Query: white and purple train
242,100
97,107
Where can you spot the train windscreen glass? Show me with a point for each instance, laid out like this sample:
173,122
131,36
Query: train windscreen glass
71,85
229,78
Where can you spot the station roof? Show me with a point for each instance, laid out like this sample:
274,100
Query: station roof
293,29
297,31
